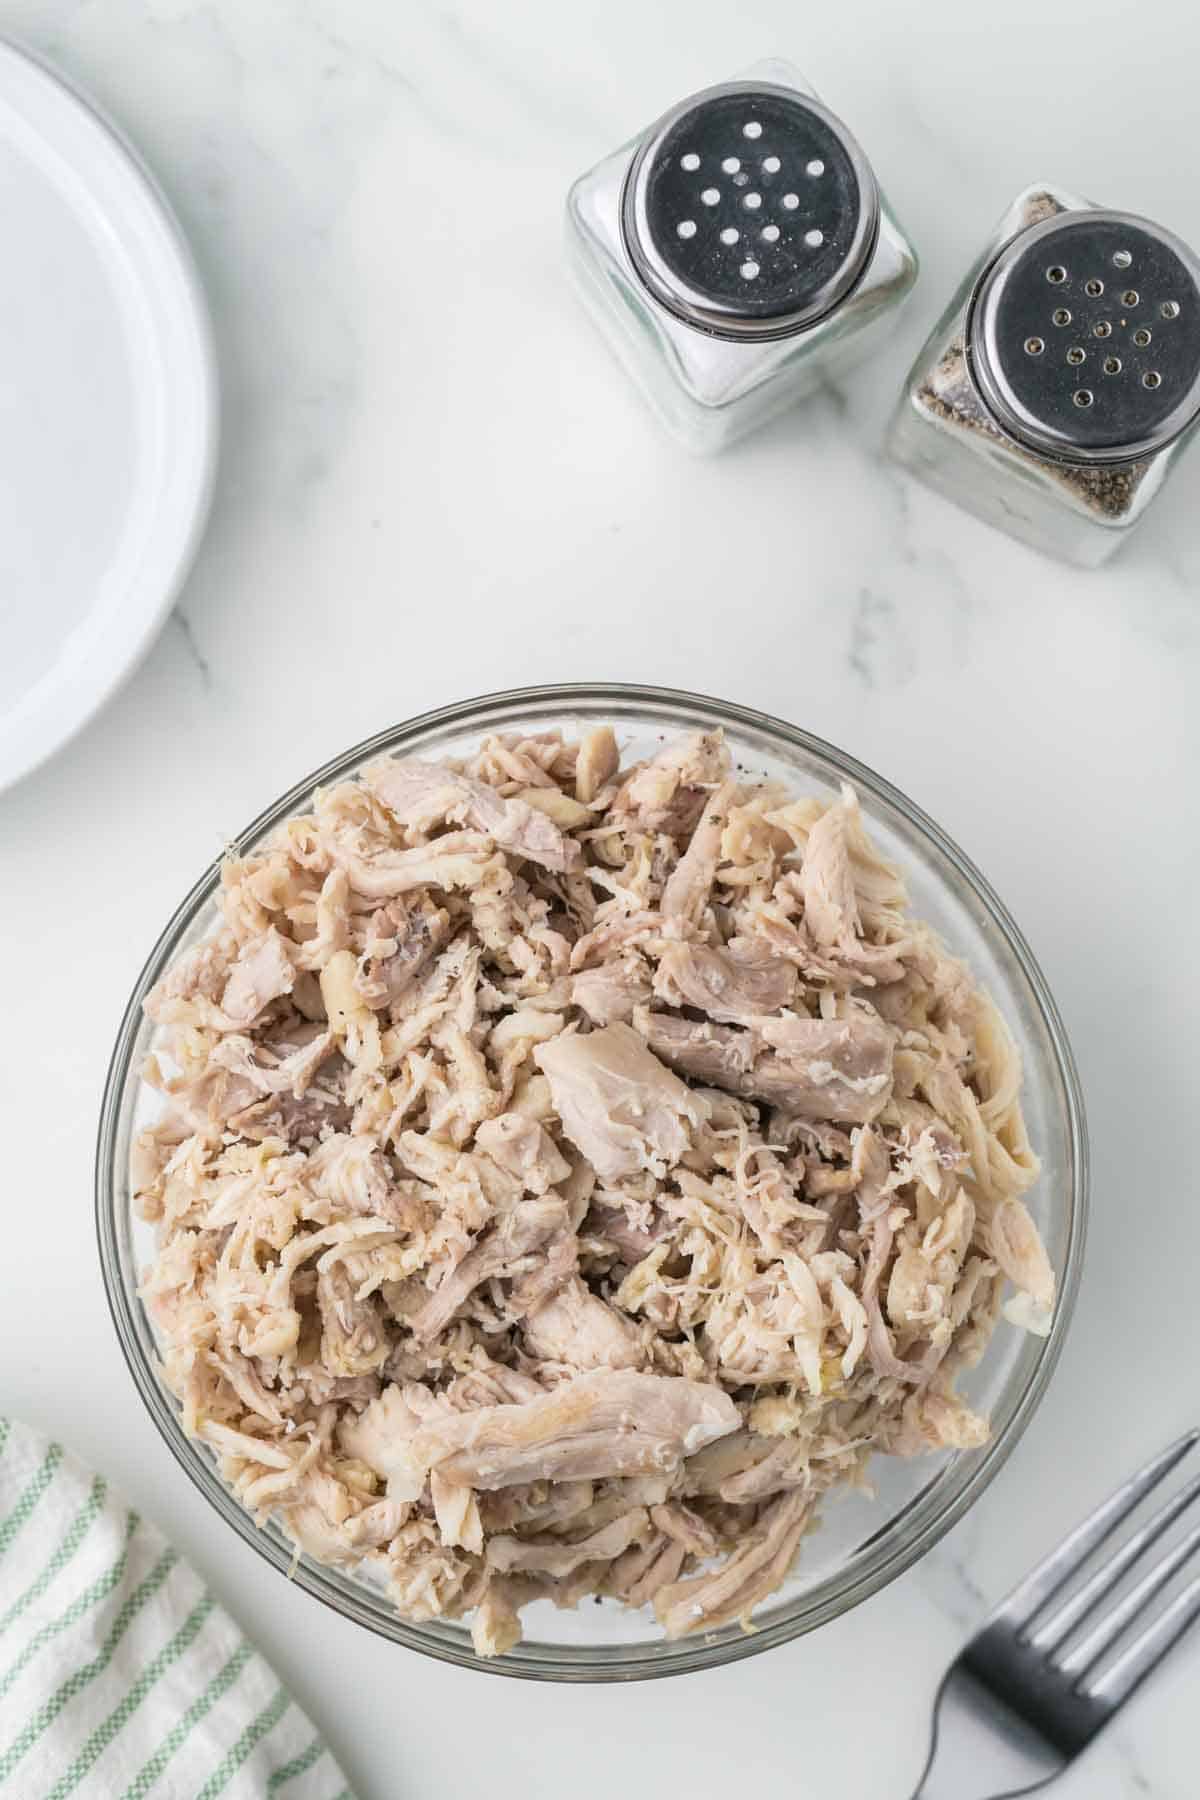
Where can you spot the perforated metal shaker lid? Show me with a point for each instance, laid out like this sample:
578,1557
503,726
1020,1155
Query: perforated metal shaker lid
1084,337
749,210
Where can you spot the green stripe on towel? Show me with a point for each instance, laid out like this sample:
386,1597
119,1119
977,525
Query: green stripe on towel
104,1734
75,1684
220,1684
120,1676
299,1765
99,1590
80,1525
258,1728
23,1511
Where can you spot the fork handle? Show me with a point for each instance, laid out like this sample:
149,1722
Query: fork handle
975,1754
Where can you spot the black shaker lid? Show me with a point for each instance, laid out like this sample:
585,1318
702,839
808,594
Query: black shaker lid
1085,337
749,210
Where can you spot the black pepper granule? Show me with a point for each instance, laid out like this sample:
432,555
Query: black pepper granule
949,394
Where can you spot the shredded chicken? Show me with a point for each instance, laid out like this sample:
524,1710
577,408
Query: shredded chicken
618,1104
567,1173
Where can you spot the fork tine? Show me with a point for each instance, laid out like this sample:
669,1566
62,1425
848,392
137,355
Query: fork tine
1091,1648
1032,1594
1147,1650
1065,1618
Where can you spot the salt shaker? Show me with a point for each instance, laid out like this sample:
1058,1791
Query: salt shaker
1056,393
737,253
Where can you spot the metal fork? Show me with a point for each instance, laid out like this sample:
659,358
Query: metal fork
1030,1692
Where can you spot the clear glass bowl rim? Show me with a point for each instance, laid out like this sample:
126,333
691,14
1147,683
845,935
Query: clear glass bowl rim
894,1550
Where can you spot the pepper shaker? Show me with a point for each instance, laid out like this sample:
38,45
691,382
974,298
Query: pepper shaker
736,253
1054,396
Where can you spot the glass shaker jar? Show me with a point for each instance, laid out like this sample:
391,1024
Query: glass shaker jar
1056,392
736,253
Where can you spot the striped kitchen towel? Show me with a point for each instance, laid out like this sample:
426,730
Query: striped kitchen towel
120,1676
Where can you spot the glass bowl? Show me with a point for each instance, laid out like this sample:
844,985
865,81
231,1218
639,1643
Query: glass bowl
863,1542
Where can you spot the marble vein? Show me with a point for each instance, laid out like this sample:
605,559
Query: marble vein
195,655
879,652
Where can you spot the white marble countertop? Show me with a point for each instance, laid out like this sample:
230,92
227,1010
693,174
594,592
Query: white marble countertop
434,482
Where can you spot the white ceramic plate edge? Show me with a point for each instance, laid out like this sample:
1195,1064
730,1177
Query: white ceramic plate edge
58,706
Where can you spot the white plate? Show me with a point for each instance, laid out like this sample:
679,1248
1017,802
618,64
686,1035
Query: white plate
108,412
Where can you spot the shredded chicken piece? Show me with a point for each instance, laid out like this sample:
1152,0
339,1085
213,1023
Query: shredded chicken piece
669,793
422,794
687,892
566,1174
262,972
637,1576
754,1570
551,1556
596,764
736,984
523,1147
578,1328
837,1069
831,905
612,992
618,1104
604,1423
496,1257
